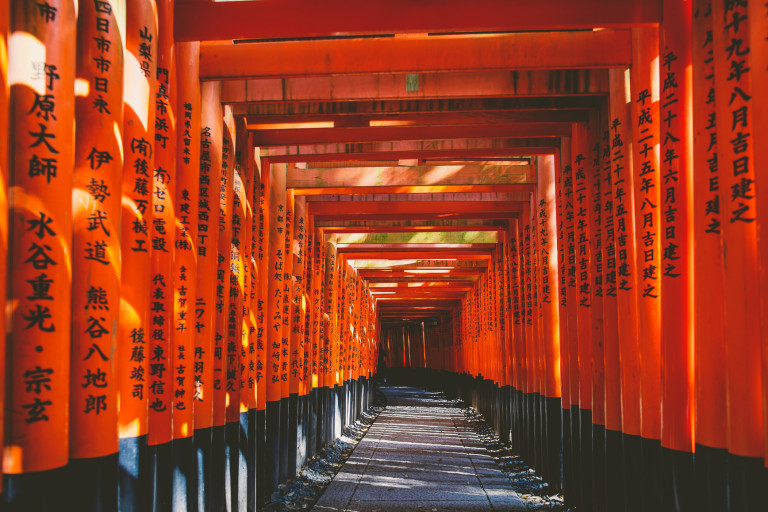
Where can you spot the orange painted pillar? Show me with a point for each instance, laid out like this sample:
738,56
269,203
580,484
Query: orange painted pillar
207,251
710,372
42,113
134,327
185,270
234,288
597,192
262,292
677,377
582,165
162,252
275,415
5,18
96,264
550,312
318,274
567,323
737,139
758,19
223,180
288,385
300,307
622,361
644,89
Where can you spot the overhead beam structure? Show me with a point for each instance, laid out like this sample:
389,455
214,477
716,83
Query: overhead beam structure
424,54
204,20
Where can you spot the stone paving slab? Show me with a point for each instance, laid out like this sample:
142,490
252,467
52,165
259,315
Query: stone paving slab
421,455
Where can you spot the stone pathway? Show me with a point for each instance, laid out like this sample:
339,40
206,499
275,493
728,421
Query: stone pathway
421,454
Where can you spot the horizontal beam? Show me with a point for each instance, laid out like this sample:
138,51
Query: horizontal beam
409,209
464,254
421,54
402,176
393,228
396,133
556,83
236,95
386,248
413,150
259,122
429,237
204,20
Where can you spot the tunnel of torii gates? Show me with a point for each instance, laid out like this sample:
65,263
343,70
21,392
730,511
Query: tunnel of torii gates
220,220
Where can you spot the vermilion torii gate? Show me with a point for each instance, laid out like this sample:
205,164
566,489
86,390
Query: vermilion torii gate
220,220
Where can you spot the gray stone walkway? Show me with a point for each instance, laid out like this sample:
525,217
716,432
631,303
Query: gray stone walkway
421,454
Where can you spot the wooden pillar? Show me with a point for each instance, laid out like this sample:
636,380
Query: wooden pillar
622,361
207,266
710,372
735,89
5,19
758,18
261,233
41,45
162,253
644,88
134,327
96,252
595,199
185,272
581,205
677,378
550,311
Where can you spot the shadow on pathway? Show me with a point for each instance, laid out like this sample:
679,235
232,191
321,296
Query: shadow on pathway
421,454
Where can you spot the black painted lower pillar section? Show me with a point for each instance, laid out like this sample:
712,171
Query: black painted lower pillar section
747,479
133,489
651,474
554,440
678,480
567,472
290,429
41,490
250,460
312,426
272,458
598,468
711,478
203,440
92,483
217,490
161,457
184,497
262,485
614,471
285,435
633,472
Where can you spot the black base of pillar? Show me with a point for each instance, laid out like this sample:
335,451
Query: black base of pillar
598,468
585,457
262,494
272,459
250,458
678,480
184,475
161,457
711,478
133,489
747,481
651,474
217,490
92,483
633,472
42,490
614,471
203,440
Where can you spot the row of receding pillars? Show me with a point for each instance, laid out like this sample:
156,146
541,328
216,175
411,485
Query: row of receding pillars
180,336
619,338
